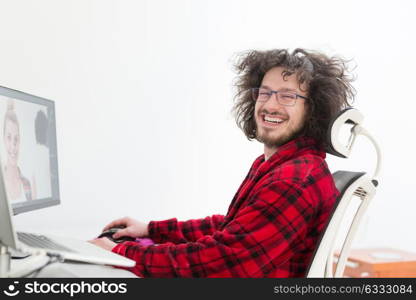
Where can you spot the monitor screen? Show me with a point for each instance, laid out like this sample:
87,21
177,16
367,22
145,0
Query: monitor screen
28,150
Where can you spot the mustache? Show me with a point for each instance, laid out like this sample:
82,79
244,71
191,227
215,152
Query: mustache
276,113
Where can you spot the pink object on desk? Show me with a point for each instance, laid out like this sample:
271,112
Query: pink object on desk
145,241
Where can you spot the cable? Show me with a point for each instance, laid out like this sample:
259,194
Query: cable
53,258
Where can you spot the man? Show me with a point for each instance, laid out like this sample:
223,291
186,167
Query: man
285,101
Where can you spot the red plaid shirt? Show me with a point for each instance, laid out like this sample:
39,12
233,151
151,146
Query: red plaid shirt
271,228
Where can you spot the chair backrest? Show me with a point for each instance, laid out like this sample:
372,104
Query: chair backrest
349,184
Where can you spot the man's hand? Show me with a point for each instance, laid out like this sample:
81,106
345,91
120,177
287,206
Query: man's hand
133,228
104,243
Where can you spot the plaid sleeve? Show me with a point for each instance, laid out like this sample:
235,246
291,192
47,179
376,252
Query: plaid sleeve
175,231
261,237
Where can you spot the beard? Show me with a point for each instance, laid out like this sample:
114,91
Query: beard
273,139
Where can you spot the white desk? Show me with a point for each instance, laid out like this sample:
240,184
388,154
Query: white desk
83,270
74,270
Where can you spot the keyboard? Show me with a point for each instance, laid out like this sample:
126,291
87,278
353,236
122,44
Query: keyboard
40,241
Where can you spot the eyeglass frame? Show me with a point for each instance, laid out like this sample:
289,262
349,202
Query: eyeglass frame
252,90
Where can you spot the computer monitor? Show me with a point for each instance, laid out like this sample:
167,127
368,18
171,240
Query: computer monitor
28,150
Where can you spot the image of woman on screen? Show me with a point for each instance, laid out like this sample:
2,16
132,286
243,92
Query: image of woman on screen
18,187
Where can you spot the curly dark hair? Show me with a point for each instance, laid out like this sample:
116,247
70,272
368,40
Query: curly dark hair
329,88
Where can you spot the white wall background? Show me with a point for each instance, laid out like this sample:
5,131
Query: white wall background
143,93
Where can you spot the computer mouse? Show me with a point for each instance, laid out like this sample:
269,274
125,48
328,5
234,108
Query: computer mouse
110,232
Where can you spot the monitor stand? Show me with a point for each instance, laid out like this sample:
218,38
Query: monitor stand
4,261
19,267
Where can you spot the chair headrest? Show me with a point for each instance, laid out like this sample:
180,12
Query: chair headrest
347,116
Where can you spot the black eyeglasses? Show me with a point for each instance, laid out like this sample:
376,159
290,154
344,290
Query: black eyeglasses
283,97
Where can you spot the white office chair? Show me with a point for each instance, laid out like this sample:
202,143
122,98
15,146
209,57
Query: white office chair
349,184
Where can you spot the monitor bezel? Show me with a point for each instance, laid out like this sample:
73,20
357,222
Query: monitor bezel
31,205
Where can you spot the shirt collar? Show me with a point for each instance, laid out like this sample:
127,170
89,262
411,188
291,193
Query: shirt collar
291,149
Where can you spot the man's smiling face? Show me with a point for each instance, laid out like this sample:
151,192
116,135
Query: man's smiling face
277,124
